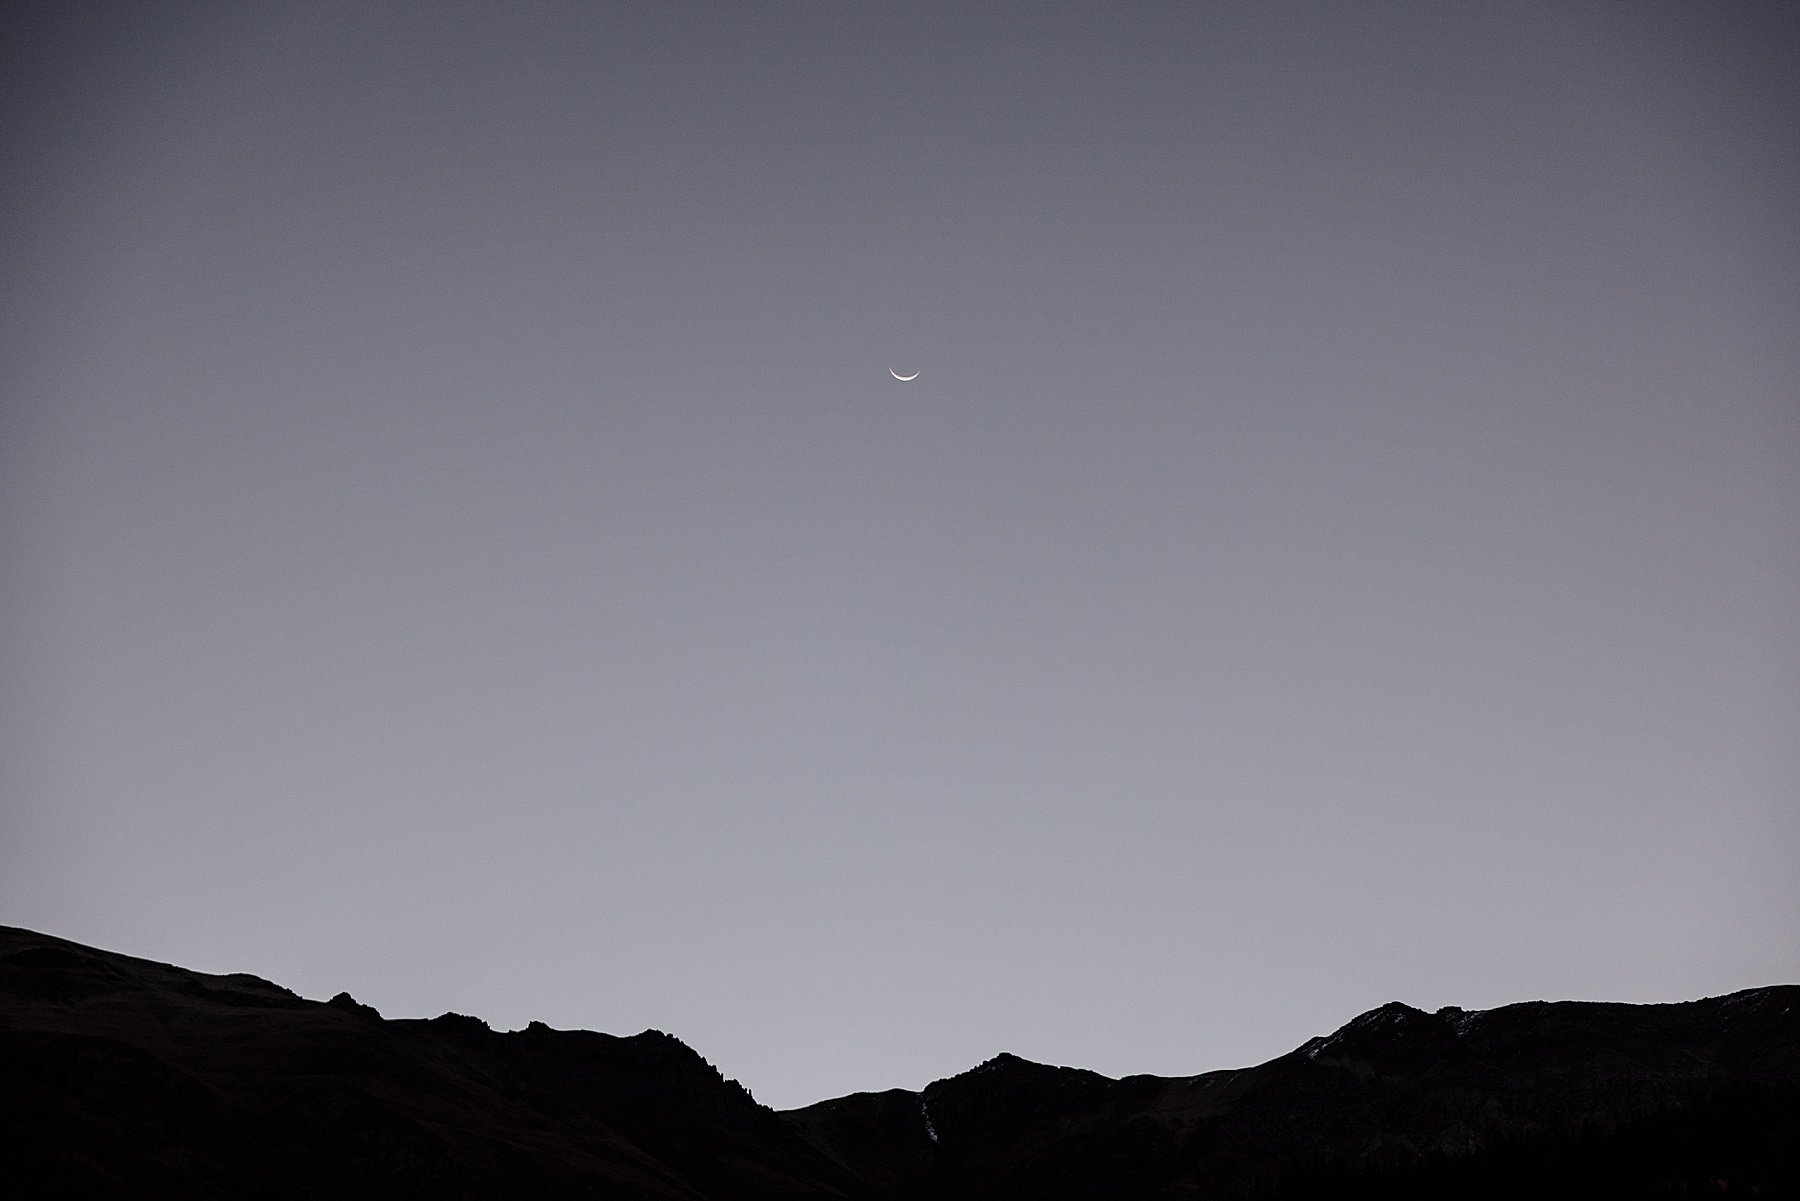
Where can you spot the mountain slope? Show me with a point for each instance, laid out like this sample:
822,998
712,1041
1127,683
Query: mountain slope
1394,1100
124,1077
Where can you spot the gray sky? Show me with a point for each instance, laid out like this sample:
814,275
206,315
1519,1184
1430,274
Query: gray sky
460,541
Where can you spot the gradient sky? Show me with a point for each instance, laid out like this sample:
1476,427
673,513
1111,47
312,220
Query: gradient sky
460,541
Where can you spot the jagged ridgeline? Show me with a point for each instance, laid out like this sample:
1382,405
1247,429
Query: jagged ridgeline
128,1078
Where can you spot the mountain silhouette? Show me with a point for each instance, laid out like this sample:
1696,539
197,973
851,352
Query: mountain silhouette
124,1077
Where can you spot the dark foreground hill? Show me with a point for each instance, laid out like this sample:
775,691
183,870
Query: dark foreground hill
122,1077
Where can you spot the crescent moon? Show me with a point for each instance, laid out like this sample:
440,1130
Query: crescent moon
903,378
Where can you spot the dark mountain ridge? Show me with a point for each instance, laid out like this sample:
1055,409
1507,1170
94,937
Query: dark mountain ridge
127,1077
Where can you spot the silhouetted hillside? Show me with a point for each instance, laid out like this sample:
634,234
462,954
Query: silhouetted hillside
125,1077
